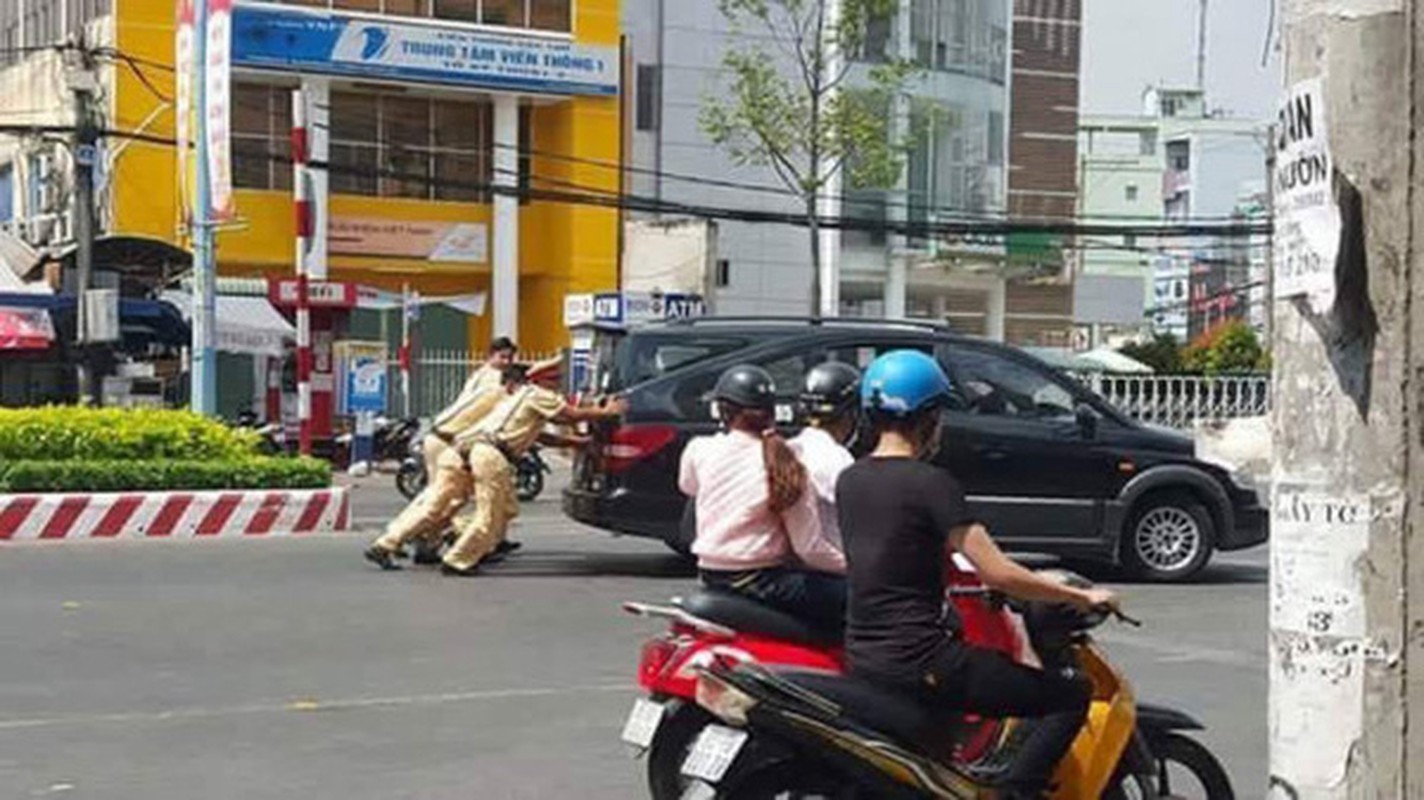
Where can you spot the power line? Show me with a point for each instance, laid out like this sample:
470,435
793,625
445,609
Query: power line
584,195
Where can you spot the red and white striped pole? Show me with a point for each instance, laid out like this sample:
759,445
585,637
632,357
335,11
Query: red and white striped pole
303,208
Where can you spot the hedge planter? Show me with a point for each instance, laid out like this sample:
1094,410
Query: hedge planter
173,514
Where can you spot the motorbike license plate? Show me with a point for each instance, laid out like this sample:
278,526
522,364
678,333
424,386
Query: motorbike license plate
713,753
642,724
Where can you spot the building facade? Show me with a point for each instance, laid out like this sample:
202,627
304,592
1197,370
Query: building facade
441,121
957,168
1178,161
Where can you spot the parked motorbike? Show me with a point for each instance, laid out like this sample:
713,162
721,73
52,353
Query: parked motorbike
711,624
817,734
272,437
528,473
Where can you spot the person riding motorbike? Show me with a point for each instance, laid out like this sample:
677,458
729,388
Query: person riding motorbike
829,402
901,517
758,530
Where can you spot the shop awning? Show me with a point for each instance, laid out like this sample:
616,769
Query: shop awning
25,329
247,325
142,321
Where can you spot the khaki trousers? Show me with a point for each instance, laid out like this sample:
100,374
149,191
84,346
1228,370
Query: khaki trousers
495,505
446,491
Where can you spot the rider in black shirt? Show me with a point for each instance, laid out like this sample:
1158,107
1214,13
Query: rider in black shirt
901,518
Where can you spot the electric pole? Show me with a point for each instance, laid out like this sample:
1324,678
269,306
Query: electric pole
1201,47
1347,554
84,152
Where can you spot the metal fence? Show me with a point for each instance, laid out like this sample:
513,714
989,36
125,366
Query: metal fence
1180,401
436,379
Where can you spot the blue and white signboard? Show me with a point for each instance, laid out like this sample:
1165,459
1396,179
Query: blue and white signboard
275,37
366,383
631,308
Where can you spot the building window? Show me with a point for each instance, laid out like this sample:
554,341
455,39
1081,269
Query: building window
381,145
355,153
960,36
649,97
1130,193
996,138
1179,156
724,273
261,136
544,15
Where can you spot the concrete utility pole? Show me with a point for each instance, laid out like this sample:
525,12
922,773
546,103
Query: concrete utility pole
84,151
1347,552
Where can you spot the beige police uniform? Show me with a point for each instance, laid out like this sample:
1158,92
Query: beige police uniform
494,445
448,485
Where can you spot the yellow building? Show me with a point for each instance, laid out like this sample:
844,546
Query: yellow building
419,106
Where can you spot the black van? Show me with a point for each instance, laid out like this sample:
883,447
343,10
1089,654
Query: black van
1048,465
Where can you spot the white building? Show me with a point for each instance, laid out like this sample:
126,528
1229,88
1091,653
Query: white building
1175,162
956,170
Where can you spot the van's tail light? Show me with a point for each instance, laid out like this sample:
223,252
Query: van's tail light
629,444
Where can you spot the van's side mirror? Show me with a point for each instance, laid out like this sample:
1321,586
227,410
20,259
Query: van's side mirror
1087,420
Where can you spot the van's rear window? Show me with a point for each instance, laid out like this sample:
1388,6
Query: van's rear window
639,357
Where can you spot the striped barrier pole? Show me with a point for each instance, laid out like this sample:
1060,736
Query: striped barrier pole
303,210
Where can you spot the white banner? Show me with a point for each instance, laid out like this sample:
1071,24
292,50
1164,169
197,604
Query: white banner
217,74
183,107
1307,220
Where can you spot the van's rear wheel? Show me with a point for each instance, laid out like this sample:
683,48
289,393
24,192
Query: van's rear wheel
1169,537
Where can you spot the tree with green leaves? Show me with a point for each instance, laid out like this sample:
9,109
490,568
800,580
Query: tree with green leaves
1163,353
1231,347
797,101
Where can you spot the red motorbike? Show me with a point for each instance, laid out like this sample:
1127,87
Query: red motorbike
710,624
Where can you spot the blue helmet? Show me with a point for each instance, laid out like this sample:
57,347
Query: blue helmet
901,383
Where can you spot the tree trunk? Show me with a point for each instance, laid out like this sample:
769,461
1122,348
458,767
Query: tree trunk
814,225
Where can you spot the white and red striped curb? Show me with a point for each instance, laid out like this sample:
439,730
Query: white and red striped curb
173,514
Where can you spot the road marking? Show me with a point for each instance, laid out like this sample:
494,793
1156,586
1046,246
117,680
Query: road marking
310,705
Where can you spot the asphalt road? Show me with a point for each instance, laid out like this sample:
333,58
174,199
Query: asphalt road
289,668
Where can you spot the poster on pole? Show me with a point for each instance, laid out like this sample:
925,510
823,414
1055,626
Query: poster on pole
1307,219
217,77
364,368
183,49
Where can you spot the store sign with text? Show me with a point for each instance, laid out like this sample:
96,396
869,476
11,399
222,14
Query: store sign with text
315,40
449,242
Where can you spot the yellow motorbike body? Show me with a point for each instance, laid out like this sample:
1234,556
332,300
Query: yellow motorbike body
1088,769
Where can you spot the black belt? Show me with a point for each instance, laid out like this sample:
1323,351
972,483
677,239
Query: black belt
444,437
498,445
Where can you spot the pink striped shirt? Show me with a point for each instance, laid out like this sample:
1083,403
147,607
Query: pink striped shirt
725,474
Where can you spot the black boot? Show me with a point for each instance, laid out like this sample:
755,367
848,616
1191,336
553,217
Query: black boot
381,557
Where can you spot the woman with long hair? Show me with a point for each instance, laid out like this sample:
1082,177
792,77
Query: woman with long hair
758,530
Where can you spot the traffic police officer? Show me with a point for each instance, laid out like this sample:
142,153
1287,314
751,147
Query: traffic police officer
493,447
448,487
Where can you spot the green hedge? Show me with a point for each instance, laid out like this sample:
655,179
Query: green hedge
63,433
251,472
72,449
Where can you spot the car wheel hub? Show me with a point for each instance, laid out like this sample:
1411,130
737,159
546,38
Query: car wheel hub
1167,538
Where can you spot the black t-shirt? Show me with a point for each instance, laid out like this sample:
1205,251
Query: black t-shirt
895,516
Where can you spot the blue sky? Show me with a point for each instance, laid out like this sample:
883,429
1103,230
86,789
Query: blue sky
1129,44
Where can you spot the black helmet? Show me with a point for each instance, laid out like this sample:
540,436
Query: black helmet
831,389
746,385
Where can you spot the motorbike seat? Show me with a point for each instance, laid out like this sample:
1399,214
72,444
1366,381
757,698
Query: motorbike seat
749,616
897,713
